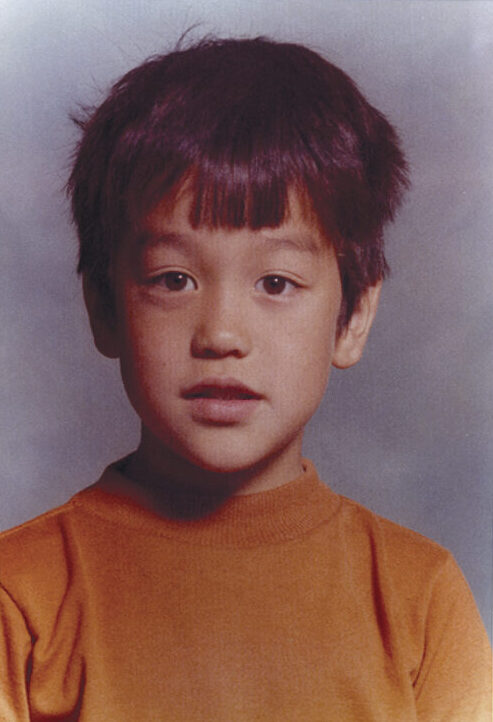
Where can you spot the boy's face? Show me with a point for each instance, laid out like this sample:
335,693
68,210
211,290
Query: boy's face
225,337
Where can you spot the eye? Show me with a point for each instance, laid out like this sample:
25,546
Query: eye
176,281
275,285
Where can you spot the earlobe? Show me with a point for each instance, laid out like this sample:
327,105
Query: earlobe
101,318
351,342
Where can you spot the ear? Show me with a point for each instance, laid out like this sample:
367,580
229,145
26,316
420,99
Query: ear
102,320
351,342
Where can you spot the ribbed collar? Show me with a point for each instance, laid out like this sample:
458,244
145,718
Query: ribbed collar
286,512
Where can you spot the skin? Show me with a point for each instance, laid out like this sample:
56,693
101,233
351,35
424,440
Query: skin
259,307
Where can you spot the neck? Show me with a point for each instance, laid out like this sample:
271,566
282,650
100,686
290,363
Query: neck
173,486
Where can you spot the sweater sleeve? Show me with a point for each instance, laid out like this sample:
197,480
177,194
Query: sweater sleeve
15,650
454,679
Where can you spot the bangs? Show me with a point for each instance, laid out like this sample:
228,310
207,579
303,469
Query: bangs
238,197
222,196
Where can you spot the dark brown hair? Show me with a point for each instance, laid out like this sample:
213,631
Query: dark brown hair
241,121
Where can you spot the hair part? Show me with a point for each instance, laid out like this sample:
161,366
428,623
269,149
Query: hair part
242,123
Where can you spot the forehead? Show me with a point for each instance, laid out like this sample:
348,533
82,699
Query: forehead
170,222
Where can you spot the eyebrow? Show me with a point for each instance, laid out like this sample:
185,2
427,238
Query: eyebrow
150,238
301,243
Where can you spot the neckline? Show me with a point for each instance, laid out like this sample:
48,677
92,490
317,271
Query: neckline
268,517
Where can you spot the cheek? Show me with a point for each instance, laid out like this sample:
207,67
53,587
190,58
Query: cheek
307,358
317,368
150,353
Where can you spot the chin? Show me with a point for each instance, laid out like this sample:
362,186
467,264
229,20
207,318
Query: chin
223,463
230,459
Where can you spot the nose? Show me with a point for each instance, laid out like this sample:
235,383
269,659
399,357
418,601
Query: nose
221,330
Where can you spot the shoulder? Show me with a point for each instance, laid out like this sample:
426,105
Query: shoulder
44,529
407,572
388,538
423,602
42,542
35,561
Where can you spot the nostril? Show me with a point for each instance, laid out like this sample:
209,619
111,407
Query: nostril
209,353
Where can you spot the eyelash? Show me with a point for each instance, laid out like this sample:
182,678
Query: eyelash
287,285
174,277
280,285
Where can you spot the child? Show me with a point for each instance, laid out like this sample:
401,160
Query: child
230,200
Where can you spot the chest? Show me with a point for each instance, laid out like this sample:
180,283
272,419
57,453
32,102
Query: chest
292,632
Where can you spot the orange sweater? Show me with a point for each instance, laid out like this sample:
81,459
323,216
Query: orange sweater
290,604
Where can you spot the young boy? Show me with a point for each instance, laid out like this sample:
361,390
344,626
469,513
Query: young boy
230,200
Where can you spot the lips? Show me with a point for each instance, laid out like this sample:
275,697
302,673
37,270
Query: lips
221,401
225,389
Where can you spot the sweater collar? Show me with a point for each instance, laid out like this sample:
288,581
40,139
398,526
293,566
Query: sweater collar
268,517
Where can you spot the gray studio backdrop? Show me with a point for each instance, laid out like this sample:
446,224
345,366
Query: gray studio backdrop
409,431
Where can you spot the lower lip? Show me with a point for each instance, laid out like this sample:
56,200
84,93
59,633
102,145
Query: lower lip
222,411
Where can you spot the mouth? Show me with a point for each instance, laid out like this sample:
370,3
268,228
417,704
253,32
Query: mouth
221,401
221,389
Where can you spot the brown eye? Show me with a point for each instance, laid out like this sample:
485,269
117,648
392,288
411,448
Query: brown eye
177,281
275,285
